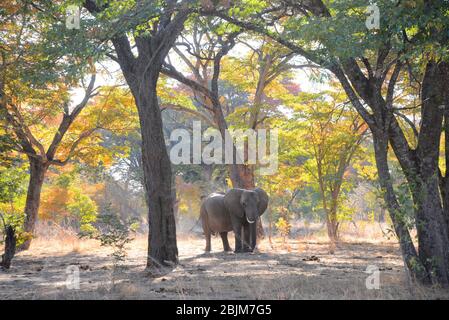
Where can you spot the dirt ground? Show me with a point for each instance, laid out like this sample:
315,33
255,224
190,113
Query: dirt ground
301,269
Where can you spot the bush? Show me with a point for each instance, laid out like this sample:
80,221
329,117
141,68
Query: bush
114,232
85,210
283,227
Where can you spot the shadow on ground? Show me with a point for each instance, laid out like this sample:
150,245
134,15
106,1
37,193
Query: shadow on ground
303,270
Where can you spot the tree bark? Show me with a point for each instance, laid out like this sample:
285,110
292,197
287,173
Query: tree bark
418,166
38,170
332,224
241,175
411,259
426,198
381,215
142,73
10,247
162,245
433,239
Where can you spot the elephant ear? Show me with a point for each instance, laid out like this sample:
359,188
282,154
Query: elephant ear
263,200
232,202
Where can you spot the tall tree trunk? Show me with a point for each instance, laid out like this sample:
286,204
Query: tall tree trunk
162,246
37,175
411,259
141,72
433,239
420,168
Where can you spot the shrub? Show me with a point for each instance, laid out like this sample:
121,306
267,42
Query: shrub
114,232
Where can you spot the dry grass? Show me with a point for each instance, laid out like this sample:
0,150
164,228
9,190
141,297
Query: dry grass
301,268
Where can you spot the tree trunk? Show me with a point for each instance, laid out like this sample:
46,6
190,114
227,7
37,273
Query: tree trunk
381,217
408,250
433,242
37,176
175,198
162,246
433,239
141,72
10,247
332,224
419,166
207,182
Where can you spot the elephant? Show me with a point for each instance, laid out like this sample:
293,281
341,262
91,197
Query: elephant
236,210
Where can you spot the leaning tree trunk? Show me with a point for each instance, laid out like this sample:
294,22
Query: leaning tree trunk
37,176
411,259
162,246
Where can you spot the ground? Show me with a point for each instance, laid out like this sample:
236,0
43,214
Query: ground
304,268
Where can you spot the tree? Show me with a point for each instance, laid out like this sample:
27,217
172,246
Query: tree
331,140
211,73
34,94
153,27
369,64
204,48
205,68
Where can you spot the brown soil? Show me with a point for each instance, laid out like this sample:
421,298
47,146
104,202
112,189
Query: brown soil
304,269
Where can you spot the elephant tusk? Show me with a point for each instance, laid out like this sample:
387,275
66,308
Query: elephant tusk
249,221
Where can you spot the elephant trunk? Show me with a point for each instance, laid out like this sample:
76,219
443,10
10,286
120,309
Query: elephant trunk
251,213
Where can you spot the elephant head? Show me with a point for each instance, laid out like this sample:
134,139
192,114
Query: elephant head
247,204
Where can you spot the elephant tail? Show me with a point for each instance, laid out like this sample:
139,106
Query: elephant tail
204,217
202,214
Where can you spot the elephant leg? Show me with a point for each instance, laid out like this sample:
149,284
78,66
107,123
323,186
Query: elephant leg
253,232
238,239
206,229
208,239
246,236
224,238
